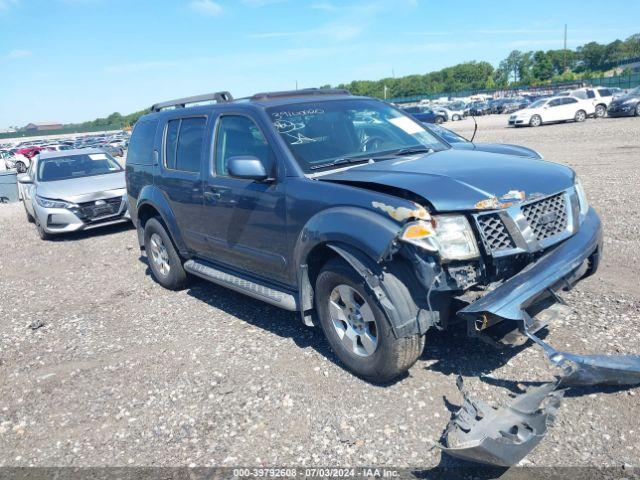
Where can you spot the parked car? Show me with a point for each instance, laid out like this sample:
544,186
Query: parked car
74,190
550,110
626,105
601,97
477,109
450,113
426,114
376,231
513,105
460,143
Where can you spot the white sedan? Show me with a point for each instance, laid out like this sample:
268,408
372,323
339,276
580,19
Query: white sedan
554,109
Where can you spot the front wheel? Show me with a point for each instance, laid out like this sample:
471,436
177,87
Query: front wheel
455,118
41,231
638,110
535,121
30,218
601,111
581,116
357,329
165,263
21,167
439,120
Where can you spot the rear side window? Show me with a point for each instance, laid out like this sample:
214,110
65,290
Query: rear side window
183,144
591,94
170,144
569,100
604,92
141,144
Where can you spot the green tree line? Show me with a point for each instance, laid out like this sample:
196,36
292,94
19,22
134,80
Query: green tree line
519,68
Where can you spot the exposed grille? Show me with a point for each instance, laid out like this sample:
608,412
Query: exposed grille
547,217
495,234
101,208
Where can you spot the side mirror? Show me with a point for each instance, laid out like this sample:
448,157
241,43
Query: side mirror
25,178
248,168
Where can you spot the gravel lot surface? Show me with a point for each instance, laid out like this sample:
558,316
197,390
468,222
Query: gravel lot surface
122,372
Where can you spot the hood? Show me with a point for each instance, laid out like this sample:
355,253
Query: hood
84,189
456,180
506,149
625,98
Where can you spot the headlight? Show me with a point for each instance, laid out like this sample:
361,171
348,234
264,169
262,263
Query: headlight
449,235
48,203
582,199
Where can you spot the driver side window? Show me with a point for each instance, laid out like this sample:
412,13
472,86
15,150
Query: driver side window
237,136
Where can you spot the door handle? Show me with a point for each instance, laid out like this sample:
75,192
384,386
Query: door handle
212,195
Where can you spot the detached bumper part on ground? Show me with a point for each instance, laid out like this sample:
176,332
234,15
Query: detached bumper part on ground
504,436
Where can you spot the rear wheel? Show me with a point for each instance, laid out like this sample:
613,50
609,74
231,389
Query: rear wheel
455,118
581,116
601,111
638,110
164,261
356,327
21,167
535,121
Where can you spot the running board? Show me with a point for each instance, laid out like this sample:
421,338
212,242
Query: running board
258,291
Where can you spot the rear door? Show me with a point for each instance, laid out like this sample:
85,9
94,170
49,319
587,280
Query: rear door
245,220
570,107
182,155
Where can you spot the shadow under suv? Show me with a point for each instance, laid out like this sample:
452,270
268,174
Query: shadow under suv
350,212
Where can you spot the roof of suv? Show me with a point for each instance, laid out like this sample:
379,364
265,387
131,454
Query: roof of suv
260,99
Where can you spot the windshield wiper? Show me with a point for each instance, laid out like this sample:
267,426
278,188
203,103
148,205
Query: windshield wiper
341,161
412,150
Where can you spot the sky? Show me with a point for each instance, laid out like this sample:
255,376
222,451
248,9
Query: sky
75,60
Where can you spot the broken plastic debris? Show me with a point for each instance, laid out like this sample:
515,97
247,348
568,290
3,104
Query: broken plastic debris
490,203
588,370
403,213
501,436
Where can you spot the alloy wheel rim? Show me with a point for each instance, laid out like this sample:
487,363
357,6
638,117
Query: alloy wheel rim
353,320
159,254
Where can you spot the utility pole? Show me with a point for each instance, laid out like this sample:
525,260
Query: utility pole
385,92
296,84
564,52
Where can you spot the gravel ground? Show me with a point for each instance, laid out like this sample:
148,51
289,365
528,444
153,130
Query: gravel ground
117,371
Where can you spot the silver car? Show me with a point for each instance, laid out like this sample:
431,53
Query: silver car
74,190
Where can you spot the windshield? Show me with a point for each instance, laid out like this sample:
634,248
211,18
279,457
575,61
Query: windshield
76,166
448,135
319,133
538,104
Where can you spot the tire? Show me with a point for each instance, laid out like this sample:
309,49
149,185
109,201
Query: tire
455,118
637,110
391,356
438,120
30,218
21,167
600,112
164,261
581,116
41,232
535,121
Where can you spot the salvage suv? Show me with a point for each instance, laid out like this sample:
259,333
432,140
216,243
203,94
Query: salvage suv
350,212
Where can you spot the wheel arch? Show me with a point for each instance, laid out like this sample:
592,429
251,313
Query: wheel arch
152,203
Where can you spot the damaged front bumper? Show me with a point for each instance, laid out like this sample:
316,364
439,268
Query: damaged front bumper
561,267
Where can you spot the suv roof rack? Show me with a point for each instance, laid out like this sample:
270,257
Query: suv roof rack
300,93
218,97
